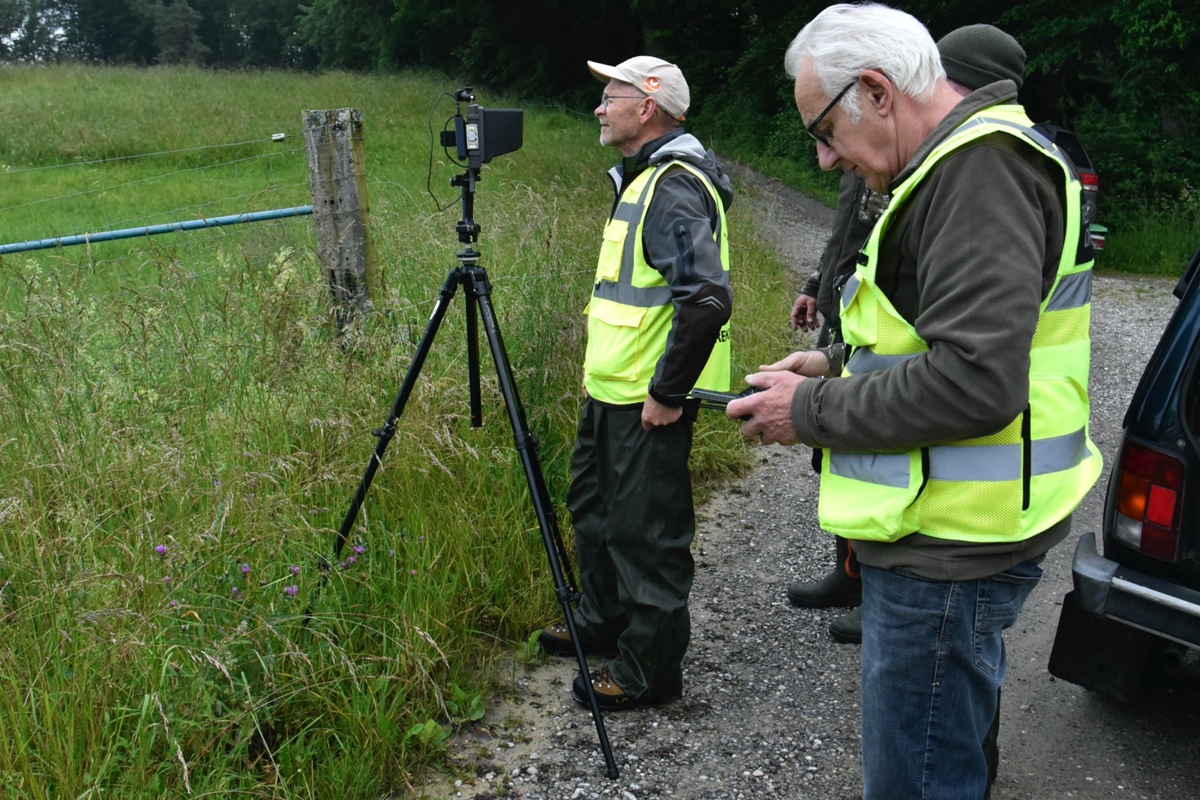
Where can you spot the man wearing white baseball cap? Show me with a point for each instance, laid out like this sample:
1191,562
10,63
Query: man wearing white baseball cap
658,327
653,77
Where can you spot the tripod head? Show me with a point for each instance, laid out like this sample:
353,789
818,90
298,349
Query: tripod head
479,135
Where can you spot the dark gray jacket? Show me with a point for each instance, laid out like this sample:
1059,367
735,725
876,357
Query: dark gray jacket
678,241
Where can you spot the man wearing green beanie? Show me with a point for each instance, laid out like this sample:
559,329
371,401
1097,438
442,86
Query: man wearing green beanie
976,55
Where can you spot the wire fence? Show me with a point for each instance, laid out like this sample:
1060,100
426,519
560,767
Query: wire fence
70,227
53,206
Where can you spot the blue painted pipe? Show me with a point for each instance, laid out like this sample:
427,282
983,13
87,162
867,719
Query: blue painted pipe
170,227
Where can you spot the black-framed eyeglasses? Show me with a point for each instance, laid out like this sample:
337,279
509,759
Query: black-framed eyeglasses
812,126
605,99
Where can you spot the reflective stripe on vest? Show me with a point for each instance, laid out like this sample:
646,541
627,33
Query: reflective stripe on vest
996,462
1006,486
630,313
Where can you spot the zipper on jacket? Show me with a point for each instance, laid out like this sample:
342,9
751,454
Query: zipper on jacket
1026,458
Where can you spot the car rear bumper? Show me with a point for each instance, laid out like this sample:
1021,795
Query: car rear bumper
1107,589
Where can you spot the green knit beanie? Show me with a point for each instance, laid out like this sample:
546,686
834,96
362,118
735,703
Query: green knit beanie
976,55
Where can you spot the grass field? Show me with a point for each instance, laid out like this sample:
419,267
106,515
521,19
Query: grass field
182,431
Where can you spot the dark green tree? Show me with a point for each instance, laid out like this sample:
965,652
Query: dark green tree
541,49
177,33
1120,72
109,31
257,33
360,35
266,34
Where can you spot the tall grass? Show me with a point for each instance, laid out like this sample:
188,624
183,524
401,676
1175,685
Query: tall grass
1156,242
182,432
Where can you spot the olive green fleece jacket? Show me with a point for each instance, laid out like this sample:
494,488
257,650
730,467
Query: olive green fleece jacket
967,261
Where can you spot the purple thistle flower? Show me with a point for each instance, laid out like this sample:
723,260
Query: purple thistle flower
352,560
290,591
245,569
412,572
295,569
234,591
360,549
173,603
161,549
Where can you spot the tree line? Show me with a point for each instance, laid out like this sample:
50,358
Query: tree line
1120,72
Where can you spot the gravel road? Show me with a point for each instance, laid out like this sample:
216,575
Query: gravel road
770,708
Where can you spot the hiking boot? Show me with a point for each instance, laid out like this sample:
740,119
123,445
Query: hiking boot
609,696
848,627
835,589
556,640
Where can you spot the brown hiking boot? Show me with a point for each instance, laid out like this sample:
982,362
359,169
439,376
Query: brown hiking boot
610,697
556,640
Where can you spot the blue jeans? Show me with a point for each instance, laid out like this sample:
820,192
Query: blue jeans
932,664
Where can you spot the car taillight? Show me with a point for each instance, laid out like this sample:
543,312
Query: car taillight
1090,180
1147,507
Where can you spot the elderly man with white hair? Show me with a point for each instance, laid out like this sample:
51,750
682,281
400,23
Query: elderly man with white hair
955,433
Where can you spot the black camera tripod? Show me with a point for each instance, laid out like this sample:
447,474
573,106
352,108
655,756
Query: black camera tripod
478,291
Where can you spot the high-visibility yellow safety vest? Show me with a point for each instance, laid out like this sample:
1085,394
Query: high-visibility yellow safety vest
1004,487
630,313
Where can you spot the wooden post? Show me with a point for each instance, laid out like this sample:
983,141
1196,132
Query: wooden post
338,181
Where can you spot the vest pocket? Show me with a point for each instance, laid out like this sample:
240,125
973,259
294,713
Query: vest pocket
870,495
612,246
614,341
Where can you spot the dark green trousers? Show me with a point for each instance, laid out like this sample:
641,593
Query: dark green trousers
631,507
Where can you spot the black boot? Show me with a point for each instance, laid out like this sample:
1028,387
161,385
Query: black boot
837,588
847,628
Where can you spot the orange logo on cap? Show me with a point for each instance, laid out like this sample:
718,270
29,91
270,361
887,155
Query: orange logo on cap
652,84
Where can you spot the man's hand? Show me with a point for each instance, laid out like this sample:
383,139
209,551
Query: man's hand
770,411
809,363
804,313
655,414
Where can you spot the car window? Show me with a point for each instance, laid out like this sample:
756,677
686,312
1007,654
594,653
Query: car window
1074,150
1069,143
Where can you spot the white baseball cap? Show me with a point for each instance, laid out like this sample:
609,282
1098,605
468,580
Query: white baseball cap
659,79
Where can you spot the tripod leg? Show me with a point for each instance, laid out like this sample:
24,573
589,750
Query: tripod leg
478,292
388,430
473,358
479,289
